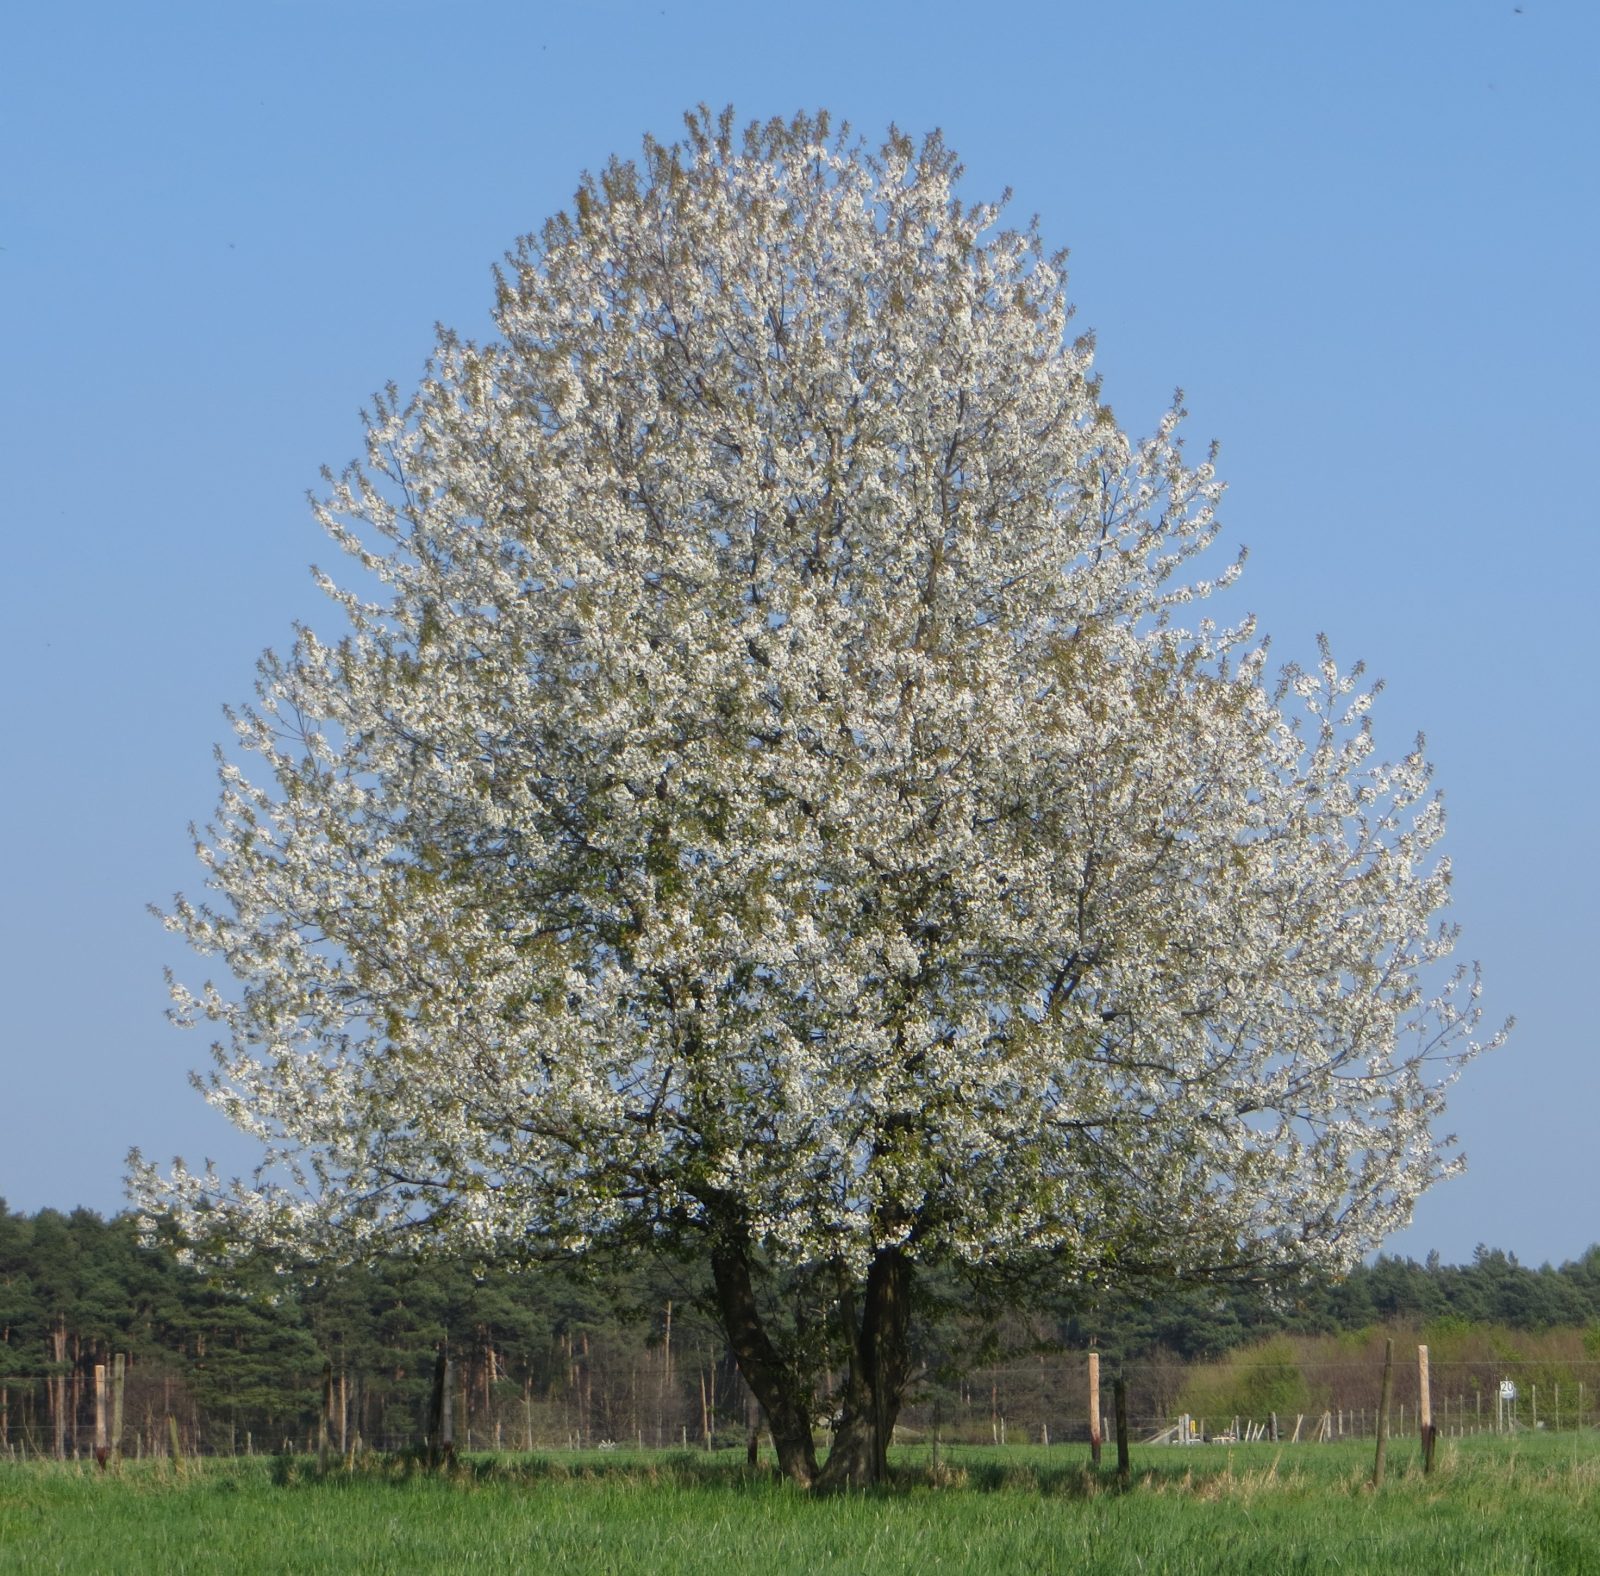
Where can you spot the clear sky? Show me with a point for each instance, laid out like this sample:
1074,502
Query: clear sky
1361,234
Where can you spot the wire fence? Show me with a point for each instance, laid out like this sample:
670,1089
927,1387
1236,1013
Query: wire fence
1044,1399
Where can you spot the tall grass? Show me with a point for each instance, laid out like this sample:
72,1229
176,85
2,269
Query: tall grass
1528,1505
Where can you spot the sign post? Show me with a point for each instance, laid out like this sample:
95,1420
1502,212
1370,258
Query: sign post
1507,1414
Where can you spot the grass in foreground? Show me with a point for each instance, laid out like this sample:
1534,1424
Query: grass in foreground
1491,1506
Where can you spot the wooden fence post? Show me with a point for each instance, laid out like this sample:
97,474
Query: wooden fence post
1383,1411
102,1451
119,1378
1425,1410
447,1414
436,1409
323,1417
1119,1395
1094,1408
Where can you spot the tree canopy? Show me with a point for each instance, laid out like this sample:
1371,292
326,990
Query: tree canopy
770,797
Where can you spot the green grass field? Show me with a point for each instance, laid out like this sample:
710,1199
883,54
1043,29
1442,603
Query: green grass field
1491,1506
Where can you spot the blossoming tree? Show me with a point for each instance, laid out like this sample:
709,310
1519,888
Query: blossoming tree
768,796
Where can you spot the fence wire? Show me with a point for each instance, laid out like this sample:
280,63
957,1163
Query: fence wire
700,1402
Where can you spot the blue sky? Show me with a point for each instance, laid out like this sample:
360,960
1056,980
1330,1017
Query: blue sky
1360,235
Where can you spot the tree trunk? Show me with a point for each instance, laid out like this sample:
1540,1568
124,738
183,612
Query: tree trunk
879,1368
783,1399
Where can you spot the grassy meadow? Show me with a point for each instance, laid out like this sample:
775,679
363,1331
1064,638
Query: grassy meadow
1526,1504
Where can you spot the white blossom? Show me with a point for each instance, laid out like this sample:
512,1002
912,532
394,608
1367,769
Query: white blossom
760,767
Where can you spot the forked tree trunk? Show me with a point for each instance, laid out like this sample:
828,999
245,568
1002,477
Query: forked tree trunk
875,1385
783,1395
879,1324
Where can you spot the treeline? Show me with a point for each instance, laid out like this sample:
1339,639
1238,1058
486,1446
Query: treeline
546,1358
239,1364
1194,1323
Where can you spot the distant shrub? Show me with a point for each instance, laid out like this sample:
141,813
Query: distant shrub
1251,1383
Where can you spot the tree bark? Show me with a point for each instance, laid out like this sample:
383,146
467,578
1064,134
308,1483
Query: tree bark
879,1369
783,1398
